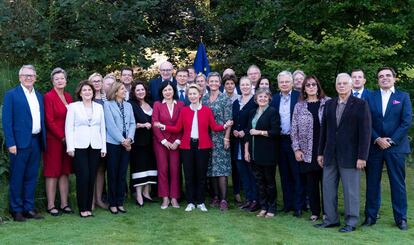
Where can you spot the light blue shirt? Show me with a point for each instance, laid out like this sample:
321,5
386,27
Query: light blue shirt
284,112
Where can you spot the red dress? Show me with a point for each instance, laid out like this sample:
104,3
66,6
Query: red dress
55,159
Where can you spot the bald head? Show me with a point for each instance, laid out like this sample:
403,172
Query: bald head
166,70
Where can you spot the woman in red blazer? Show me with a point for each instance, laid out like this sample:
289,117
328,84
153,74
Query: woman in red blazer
195,121
57,163
166,145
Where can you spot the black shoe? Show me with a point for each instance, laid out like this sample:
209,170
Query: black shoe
326,225
254,207
18,217
139,204
32,215
369,221
146,199
246,205
66,210
403,225
297,213
113,212
57,213
347,228
122,210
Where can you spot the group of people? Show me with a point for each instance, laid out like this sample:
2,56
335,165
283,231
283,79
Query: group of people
213,127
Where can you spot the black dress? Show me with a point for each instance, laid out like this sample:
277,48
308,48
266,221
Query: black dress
313,108
143,165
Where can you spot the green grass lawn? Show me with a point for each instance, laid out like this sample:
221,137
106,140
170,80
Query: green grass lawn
151,225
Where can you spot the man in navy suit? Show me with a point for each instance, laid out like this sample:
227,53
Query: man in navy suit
166,71
358,85
391,118
182,79
25,133
284,102
127,76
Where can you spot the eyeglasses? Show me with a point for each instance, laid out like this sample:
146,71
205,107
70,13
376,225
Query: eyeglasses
126,75
96,81
28,75
308,85
165,70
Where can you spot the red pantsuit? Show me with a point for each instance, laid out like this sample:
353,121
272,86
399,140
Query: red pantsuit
55,159
168,161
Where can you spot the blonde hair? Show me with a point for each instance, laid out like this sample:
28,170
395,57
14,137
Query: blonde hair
111,95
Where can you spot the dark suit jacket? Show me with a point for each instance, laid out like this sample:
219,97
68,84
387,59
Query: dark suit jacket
17,119
395,123
349,141
365,94
154,86
240,122
293,100
264,153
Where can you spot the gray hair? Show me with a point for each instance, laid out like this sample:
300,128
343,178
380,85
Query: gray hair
253,67
261,91
285,73
346,75
214,74
245,78
57,70
300,72
31,67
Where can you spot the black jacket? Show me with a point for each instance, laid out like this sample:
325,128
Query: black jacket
349,141
265,147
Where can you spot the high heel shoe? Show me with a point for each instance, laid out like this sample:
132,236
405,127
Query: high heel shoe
146,199
113,212
139,204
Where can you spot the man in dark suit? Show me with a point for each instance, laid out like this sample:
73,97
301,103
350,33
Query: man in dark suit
343,151
284,102
25,133
182,79
166,71
127,76
358,85
391,118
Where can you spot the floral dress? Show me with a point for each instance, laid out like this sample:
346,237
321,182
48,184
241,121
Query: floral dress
220,163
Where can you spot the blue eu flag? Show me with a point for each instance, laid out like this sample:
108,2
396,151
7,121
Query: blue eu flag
201,60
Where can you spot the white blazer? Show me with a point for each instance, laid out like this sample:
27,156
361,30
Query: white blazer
80,133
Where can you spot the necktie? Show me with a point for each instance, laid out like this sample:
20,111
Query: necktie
182,95
356,94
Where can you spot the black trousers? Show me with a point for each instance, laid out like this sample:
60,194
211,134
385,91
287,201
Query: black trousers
85,166
266,185
117,167
313,180
195,163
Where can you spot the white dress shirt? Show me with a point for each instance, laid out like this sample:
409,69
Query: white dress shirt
34,109
194,125
385,97
359,95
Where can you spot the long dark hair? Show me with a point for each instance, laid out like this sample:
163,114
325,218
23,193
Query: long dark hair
132,95
320,94
164,85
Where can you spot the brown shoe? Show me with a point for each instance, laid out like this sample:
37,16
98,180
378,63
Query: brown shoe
32,215
18,217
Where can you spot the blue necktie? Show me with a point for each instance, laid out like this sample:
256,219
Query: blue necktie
356,94
182,98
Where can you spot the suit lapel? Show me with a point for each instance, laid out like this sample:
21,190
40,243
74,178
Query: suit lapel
389,104
25,102
349,104
378,101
